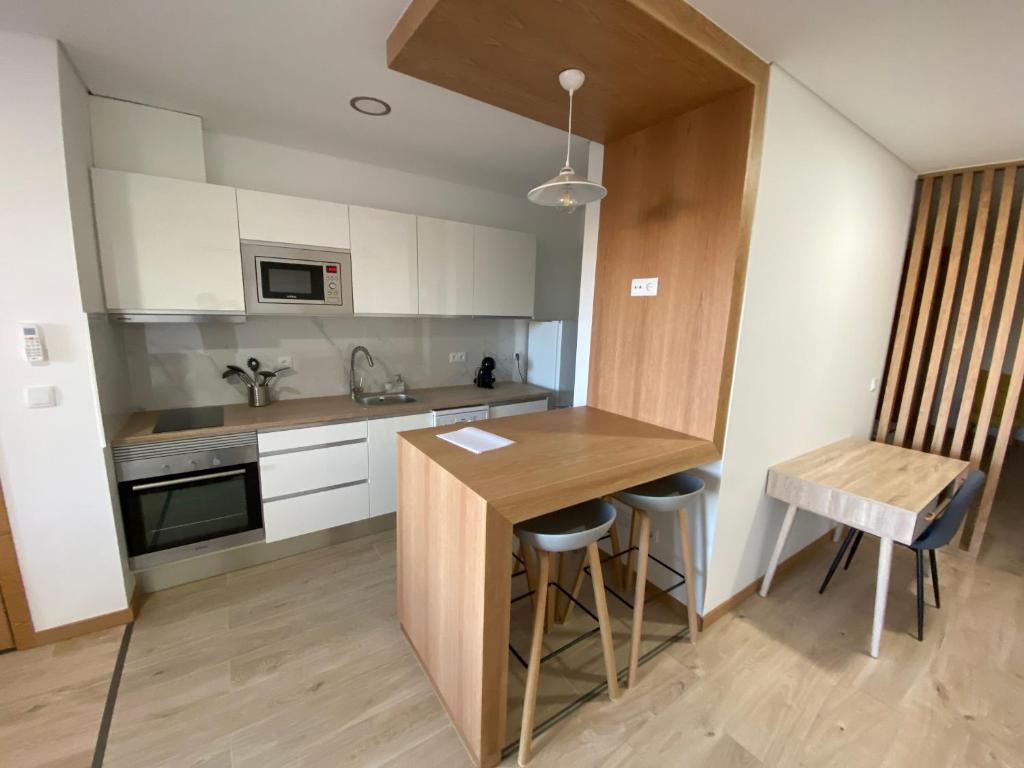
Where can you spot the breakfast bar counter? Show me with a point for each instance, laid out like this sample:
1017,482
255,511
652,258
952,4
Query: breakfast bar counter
456,510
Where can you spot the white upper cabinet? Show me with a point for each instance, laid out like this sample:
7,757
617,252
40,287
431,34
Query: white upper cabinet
445,266
384,270
295,220
167,245
504,262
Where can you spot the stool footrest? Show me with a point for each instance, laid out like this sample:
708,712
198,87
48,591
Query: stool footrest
571,643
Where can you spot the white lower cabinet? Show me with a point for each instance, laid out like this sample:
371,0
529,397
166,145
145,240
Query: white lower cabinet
516,409
383,452
311,512
313,478
310,469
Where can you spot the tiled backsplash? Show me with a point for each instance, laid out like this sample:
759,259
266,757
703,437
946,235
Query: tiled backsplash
180,365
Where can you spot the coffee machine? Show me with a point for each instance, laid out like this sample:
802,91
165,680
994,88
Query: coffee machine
485,374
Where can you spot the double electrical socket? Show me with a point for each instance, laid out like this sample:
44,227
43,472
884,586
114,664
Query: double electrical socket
456,357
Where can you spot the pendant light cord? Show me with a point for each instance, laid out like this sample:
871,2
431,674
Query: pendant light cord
568,134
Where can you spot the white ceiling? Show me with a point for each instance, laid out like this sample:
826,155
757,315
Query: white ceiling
940,83
284,72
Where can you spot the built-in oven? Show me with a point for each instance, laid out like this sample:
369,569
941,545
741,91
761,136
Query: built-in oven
182,498
296,281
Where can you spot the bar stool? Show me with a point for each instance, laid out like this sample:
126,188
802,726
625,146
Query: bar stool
564,530
662,496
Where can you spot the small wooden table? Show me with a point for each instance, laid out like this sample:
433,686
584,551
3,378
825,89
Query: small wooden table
891,492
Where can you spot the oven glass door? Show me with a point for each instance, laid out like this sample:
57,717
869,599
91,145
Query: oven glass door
289,281
174,511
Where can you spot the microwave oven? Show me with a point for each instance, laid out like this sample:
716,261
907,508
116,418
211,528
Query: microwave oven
285,280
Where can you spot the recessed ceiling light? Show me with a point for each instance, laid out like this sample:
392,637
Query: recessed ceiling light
368,105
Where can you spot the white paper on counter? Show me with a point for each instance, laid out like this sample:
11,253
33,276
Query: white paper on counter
476,440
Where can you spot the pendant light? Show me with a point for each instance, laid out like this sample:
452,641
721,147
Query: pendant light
567,190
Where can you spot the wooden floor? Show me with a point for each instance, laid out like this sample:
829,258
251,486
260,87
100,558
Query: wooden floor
301,663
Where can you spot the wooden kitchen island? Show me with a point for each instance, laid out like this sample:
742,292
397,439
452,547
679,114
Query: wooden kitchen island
456,510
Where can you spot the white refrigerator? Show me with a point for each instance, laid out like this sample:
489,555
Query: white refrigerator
551,358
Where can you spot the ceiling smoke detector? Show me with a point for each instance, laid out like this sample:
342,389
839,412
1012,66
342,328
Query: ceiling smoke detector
370,105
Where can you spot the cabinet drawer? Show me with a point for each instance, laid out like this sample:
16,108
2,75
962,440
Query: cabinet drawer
285,473
285,518
515,409
307,437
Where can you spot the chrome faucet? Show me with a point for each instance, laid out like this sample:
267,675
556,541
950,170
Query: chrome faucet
352,387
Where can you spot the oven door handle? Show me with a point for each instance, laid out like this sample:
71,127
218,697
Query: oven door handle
186,480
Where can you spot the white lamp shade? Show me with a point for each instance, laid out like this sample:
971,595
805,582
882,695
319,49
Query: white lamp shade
566,190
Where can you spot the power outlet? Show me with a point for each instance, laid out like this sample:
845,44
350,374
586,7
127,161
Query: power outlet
456,357
643,286
285,361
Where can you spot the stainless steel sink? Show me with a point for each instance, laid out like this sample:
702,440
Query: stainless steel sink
384,399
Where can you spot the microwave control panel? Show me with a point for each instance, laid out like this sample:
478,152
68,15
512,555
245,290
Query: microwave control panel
332,284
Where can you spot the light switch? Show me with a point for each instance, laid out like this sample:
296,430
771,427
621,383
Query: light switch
644,286
41,397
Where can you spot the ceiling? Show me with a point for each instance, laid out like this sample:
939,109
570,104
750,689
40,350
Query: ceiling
284,72
938,82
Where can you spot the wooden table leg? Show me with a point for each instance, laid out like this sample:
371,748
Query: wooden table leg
688,571
881,593
780,543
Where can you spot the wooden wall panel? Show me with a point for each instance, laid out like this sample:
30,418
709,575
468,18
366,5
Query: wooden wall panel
921,406
673,212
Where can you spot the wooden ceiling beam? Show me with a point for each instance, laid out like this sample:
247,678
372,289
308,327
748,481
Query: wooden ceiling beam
646,60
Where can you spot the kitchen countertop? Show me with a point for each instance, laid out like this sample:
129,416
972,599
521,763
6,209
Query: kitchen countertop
563,457
311,411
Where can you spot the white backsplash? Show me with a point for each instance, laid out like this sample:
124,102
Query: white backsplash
180,365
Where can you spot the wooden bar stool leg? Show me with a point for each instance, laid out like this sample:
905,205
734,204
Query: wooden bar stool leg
603,620
620,572
524,555
691,587
533,669
638,596
577,584
554,604
632,543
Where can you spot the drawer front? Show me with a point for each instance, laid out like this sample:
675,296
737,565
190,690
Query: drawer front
307,437
515,409
300,471
285,518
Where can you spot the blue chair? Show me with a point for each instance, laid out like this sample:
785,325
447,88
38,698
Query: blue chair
935,536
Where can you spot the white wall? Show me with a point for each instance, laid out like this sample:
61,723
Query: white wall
830,228
588,272
250,164
52,464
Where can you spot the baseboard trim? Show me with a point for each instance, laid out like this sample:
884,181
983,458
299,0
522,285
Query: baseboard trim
788,564
78,628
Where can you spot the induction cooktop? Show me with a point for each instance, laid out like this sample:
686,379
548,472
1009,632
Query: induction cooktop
180,419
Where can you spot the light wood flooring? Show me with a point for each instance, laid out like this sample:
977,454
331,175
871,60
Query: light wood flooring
300,663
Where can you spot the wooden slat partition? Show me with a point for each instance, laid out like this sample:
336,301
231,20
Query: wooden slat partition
932,378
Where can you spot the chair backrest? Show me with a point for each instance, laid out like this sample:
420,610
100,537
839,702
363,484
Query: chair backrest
941,532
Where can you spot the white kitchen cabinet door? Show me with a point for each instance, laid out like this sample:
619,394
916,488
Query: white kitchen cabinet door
297,515
294,220
382,446
167,245
445,266
504,265
515,409
384,270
